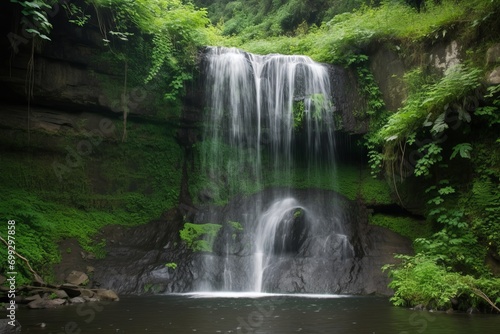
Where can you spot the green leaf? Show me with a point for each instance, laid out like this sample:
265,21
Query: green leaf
446,190
463,149
439,124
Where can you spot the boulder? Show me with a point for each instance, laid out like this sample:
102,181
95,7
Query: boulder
46,303
87,293
49,292
71,290
5,328
60,293
77,278
107,295
32,298
493,54
77,300
494,77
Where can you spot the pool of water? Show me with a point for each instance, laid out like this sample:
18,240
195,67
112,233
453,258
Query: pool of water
250,313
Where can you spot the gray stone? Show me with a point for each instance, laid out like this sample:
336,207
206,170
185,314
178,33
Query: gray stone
48,292
318,257
71,290
388,70
6,328
444,57
107,295
87,293
60,294
77,278
494,77
493,54
32,298
46,303
77,300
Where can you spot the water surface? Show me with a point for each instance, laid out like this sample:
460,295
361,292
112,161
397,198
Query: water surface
250,313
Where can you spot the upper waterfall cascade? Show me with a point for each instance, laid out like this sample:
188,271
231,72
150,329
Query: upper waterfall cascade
262,105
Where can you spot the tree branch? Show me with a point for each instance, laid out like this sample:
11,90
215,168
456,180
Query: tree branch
38,278
482,295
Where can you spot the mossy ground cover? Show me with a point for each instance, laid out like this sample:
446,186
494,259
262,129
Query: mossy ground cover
406,226
127,183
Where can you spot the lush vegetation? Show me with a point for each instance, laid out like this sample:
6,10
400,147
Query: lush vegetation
406,226
421,280
54,191
106,187
440,146
199,237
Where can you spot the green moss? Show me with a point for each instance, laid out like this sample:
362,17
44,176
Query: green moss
116,183
236,226
171,265
199,237
152,288
406,226
226,181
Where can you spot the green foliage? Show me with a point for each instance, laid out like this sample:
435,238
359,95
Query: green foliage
298,114
177,30
236,226
406,226
368,86
421,280
171,265
128,184
491,112
76,14
426,106
431,155
455,244
40,224
221,181
463,150
484,209
171,30
34,11
345,34
152,288
468,221
199,237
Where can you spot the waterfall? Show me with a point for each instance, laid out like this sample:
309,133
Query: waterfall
267,237
261,107
269,123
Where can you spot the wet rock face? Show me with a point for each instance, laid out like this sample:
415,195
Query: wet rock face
291,232
318,248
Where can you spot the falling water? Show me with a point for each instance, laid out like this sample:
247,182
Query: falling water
266,235
268,116
265,106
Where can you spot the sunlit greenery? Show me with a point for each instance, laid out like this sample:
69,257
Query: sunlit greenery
421,280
